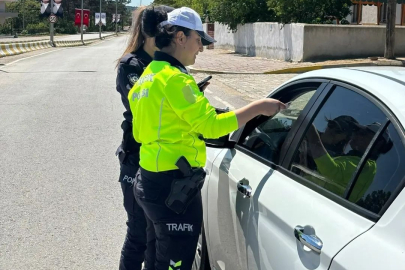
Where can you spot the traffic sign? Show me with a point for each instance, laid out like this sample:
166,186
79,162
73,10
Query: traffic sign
53,19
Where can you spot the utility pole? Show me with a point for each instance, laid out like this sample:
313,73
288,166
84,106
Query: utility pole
23,11
81,24
99,23
390,31
116,17
51,25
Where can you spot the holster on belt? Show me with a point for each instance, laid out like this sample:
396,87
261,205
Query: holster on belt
184,189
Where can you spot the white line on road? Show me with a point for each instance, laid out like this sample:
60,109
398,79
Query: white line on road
225,103
32,57
97,42
208,91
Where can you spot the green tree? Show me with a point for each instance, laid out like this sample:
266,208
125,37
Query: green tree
230,12
29,15
198,5
309,11
171,3
234,12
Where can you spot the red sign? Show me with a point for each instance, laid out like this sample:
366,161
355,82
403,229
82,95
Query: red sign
86,16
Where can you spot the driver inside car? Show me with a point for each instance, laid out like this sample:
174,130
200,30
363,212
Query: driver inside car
339,170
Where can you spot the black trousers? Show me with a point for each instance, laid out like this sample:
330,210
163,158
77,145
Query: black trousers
137,240
176,234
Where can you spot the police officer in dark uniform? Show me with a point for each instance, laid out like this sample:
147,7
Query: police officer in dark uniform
170,117
131,65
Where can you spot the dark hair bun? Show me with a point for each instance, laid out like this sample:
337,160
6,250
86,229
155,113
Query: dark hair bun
152,17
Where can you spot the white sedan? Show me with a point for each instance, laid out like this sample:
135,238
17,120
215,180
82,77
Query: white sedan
317,186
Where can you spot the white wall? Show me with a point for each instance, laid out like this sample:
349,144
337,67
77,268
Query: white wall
306,42
339,42
271,40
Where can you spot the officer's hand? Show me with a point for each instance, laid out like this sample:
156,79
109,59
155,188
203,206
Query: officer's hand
270,107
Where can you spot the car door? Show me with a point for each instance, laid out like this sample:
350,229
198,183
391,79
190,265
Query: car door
299,211
228,214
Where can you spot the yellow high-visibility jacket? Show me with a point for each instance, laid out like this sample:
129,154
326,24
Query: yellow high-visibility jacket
170,114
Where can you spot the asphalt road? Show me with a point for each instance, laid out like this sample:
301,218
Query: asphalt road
60,202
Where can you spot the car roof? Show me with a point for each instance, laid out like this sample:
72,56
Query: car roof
387,84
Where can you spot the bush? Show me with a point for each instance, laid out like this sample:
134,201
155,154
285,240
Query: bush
37,28
24,32
5,28
65,27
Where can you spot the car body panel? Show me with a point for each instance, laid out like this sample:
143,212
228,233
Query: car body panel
262,226
258,232
383,247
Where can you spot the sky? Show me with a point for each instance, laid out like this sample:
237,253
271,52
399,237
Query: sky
135,3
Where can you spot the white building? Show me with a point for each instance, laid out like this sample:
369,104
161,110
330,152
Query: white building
3,13
374,12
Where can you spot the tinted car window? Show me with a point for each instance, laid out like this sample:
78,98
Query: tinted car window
388,157
336,141
267,138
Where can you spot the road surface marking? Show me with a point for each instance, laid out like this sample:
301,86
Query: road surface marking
31,57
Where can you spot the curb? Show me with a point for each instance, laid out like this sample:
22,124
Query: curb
210,71
304,69
316,67
23,47
32,40
18,48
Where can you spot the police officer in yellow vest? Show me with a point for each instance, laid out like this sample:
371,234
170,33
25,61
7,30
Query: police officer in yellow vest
170,116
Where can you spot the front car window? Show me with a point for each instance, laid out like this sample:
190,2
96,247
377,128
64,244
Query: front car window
267,138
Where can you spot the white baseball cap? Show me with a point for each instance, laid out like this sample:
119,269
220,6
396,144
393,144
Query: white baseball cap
188,18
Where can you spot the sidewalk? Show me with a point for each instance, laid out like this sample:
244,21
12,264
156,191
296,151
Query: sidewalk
26,45
220,61
77,37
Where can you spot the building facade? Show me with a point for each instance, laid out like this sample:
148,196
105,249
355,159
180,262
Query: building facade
374,12
3,12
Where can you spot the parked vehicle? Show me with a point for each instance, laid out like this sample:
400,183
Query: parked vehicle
317,186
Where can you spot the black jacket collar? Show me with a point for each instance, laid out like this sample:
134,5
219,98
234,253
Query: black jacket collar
161,56
144,56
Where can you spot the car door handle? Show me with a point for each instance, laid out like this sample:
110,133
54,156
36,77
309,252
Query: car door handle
246,190
309,240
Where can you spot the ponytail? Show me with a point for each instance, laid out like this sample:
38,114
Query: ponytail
136,37
145,22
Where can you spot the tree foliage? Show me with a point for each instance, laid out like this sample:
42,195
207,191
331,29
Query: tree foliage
31,22
309,11
234,12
